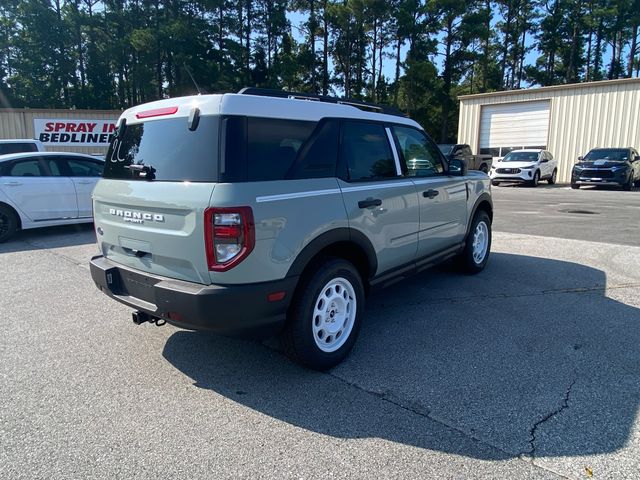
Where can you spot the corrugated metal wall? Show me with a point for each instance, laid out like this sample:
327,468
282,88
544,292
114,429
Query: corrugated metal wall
18,123
583,116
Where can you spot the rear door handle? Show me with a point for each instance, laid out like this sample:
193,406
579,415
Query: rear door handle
84,182
13,184
430,193
370,202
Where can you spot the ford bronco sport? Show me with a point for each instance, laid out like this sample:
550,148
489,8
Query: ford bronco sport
270,212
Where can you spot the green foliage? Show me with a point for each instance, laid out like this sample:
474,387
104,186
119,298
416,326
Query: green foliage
417,55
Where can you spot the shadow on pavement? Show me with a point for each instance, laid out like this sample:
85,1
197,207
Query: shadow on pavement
50,237
529,357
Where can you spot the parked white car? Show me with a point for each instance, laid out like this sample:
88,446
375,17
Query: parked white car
525,166
41,189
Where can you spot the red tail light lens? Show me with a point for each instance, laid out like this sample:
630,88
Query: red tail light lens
229,235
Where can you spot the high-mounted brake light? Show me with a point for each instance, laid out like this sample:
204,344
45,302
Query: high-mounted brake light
229,235
157,112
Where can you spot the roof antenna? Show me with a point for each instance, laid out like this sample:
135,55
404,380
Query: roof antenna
192,79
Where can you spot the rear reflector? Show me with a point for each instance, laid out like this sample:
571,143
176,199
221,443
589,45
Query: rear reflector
276,297
175,316
158,112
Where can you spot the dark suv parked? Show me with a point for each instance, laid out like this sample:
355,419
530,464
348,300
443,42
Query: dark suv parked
608,166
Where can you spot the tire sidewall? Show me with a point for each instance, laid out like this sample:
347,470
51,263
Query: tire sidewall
13,223
301,314
536,179
470,264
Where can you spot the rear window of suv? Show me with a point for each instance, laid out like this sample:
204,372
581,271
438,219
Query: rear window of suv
169,147
18,147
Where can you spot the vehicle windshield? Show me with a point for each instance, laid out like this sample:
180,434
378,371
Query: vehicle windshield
516,156
446,148
167,147
614,154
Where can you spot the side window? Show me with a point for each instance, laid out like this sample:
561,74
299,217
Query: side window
421,156
84,168
54,164
272,146
26,168
318,157
365,150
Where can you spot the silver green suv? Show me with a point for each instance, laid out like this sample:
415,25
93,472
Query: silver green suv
268,212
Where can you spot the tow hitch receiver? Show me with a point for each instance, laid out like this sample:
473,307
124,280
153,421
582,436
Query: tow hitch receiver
140,317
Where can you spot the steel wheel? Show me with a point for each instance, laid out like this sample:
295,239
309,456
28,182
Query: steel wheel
480,242
325,315
334,314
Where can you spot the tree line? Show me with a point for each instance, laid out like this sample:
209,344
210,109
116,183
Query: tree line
417,55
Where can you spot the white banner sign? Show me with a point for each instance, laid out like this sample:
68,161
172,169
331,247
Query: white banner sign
73,132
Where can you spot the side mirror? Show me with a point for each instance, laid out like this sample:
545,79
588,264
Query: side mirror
636,158
580,158
544,160
457,167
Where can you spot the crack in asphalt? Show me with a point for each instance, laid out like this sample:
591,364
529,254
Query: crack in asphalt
563,406
421,411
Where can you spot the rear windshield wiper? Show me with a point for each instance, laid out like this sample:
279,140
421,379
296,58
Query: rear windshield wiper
144,171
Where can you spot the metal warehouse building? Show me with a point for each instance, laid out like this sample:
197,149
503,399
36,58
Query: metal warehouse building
82,131
567,120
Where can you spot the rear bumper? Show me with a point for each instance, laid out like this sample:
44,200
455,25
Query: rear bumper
235,310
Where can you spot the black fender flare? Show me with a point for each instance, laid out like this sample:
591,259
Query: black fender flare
326,239
483,198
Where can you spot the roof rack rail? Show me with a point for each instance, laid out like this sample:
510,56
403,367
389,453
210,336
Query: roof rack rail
371,107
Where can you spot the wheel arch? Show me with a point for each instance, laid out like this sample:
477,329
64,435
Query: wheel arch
484,203
346,243
15,212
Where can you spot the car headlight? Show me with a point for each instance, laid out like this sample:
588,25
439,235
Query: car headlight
528,168
578,168
619,168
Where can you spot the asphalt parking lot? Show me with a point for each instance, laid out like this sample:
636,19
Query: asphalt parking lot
530,369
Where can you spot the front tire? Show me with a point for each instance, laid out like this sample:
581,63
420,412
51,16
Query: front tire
628,186
552,178
575,186
325,315
494,183
8,223
536,179
477,247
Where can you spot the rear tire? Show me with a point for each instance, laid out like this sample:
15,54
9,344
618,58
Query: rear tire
575,186
325,315
477,247
484,168
8,223
552,178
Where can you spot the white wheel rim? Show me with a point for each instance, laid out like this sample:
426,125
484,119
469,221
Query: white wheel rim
334,314
480,242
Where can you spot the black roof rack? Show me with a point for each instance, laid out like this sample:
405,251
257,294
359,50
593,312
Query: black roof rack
371,107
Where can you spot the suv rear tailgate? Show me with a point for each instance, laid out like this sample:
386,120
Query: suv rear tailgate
155,227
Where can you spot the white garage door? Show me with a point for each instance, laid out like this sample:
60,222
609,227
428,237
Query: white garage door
507,127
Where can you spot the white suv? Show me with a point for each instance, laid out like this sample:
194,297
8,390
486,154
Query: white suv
525,166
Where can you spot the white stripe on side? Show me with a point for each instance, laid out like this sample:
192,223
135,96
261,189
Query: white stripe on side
289,196
379,186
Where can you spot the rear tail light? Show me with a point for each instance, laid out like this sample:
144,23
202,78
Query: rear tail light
229,235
